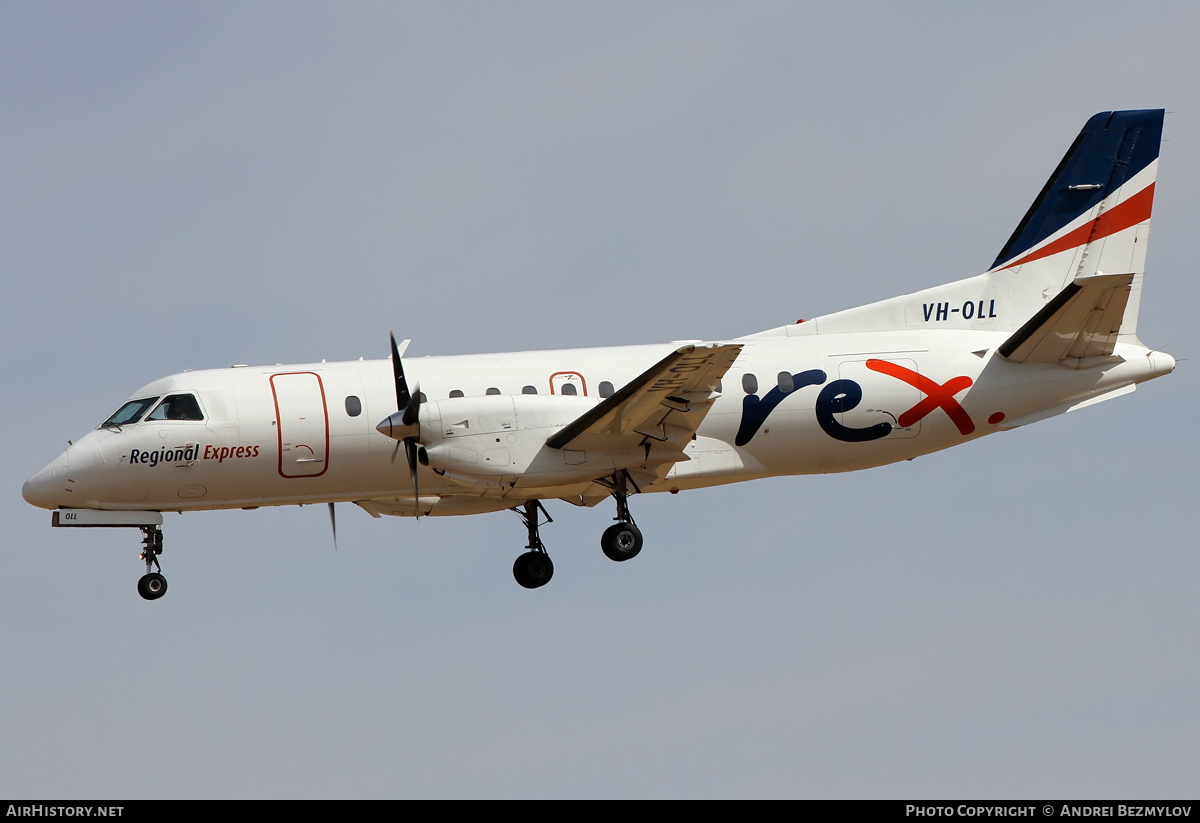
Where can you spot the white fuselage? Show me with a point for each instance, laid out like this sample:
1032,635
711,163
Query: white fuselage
307,433
1051,327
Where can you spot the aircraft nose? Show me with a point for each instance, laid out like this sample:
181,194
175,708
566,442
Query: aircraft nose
44,489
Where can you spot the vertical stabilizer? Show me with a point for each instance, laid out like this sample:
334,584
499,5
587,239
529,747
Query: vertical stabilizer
1075,261
1091,219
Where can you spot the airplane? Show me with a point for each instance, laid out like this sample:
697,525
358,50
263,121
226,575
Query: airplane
1049,328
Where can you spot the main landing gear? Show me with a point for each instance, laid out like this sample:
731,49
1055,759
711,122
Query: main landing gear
620,541
533,568
152,585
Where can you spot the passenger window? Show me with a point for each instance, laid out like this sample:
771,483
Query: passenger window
786,383
492,390
529,390
606,388
568,388
177,407
353,406
456,393
749,383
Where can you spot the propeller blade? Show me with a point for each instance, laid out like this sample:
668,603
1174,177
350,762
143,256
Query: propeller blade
413,408
333,523
402,393
410,451
401,424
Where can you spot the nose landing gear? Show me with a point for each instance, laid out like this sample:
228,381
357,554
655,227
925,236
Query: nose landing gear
152,585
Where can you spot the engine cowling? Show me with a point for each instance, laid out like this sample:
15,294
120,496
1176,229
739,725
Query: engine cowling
501,439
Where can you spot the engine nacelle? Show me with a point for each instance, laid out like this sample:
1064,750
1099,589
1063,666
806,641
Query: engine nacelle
501,439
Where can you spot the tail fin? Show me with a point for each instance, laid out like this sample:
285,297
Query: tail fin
1091,220
1067,284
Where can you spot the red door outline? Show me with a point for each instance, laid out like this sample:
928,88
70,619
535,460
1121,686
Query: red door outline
279,425
582,382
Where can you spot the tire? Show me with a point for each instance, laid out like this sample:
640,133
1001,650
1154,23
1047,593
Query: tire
621,541
533,569
152,586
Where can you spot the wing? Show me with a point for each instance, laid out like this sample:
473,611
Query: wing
660,409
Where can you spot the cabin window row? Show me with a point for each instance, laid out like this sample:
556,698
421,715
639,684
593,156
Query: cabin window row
605,389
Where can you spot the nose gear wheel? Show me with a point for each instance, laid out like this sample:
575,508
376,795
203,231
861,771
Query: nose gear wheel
152,585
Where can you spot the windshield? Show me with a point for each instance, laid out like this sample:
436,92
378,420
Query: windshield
177,407
131,412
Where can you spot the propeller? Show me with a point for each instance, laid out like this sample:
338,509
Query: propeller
404,426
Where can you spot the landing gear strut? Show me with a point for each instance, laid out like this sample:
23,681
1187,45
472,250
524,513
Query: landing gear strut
533,568
152,585
622,540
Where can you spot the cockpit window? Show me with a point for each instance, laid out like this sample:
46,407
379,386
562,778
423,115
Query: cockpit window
131,412
177,407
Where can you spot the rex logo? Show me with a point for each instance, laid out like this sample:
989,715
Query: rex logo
844,395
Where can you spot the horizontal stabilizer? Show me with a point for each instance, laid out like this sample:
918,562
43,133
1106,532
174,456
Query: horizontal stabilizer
1074,405
1078,328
